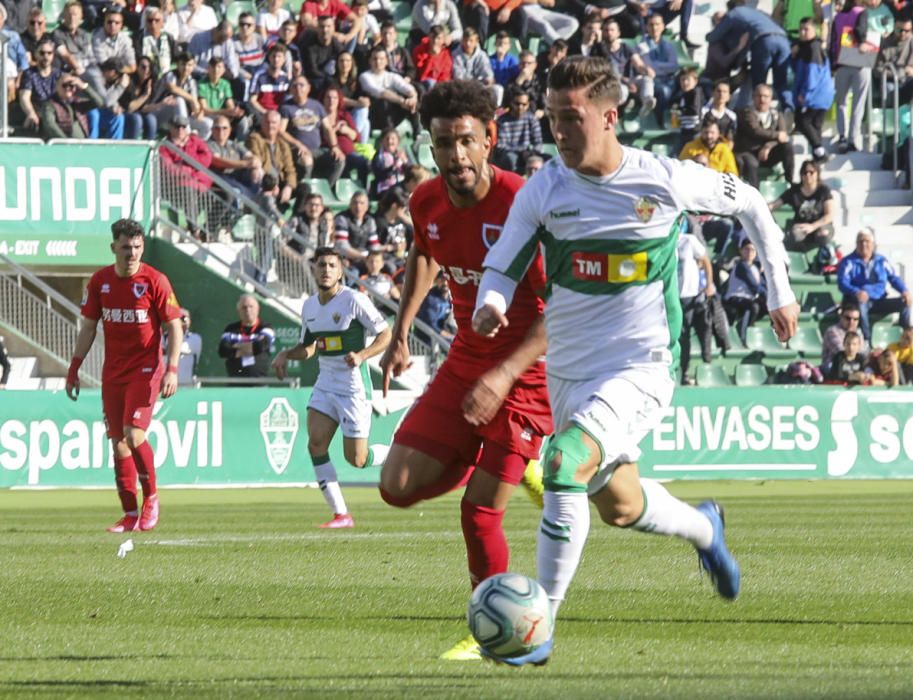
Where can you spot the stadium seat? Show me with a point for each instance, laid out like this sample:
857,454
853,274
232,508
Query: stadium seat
345,188
549,149
515,46
751,375
402,15
763,339
663,149
532,44
294,6
712,375
52,10
424,157
771,189
818,303
798,263
236,8
807,341
322,187
883,334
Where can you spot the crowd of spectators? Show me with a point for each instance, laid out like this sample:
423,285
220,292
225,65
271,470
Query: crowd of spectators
270,98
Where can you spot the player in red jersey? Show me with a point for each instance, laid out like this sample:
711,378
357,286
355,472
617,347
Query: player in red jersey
134,301
482,419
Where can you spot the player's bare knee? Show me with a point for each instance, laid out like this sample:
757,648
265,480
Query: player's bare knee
620,514
134,437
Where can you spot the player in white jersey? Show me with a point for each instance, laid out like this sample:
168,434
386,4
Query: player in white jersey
334,325
604,216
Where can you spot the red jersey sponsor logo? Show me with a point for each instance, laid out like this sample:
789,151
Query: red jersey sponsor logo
125,315
590,267
463,276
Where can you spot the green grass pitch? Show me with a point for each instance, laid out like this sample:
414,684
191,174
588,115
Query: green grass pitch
236,594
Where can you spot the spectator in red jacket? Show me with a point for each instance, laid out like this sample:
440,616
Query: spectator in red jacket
432,57
184,185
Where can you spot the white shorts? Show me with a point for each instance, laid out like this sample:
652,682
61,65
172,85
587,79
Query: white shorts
617,411
352,413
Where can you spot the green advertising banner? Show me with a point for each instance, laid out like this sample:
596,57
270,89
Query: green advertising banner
203,437
783,433
231,437
57,200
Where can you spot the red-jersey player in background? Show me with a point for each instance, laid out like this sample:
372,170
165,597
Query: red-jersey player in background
133,301
482,419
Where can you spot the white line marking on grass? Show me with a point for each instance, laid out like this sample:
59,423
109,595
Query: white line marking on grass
242,539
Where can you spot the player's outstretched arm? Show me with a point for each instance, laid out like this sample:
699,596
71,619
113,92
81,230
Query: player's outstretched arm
377,346
299,352
172,357
421,270
86,336
484,399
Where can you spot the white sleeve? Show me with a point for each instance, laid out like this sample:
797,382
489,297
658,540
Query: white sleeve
368,315
701,189
511,255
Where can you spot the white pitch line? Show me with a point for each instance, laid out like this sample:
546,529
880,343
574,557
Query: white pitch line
241,539
734,467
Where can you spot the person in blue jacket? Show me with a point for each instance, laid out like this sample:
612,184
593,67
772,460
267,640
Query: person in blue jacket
814,86
864,275
767,42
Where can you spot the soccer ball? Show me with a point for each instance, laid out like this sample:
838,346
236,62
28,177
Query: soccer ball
510,615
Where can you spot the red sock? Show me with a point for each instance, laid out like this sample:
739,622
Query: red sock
145,465
452,478
486,546
125,478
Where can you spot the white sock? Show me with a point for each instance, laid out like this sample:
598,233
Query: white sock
377,454
664,514
562,534
327,480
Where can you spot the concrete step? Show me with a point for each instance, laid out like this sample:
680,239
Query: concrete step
861,180
854,161
879,217
23,367
887,197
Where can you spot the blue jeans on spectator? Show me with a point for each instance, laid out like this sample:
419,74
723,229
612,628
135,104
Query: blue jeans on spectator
111,124
773,52
140,126
362,123
884,305
94,118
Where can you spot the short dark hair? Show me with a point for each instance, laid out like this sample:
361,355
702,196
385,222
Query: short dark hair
458,98
722,81
327,252
216,60
128,228
592,72
268,183
183,57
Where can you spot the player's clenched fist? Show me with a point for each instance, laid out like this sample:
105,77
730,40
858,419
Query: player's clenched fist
396,360
488,321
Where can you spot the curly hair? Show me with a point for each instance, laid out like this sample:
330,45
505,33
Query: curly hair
458,98
128,228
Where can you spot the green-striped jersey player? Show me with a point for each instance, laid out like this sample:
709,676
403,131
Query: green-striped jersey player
605,218
335,325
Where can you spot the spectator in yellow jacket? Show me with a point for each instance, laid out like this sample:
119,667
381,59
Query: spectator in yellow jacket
717,152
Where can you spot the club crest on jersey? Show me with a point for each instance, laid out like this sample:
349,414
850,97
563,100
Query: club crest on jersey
490,234
336,317
140,288
644,208
432,232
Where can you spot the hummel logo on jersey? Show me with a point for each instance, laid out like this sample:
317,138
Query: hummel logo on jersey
105,288
432,232
564,214
140,288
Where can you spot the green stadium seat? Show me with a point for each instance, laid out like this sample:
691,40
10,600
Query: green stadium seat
763,339
806,341
294,6
771,189
711,375
238,7
402,15
425,158
322,187
52,10
515,46
751,375
883,334
663,149
818,302
345,188
798,263
532,44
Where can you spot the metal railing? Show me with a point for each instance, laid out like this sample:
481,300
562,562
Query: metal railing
895,80
434,350
46,319
269,259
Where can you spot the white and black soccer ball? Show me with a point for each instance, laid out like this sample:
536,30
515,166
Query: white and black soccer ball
510,615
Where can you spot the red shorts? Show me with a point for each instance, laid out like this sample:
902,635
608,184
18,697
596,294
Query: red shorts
128,404
435,423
